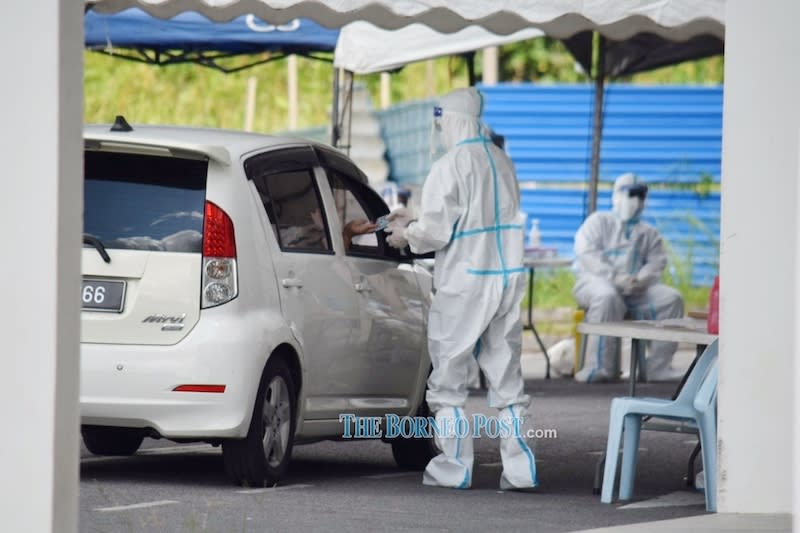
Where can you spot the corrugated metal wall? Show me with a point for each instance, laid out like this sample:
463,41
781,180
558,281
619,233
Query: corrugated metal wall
406,130
663,133
669,135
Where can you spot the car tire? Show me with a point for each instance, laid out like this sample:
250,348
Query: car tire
102,440
414,453
262,458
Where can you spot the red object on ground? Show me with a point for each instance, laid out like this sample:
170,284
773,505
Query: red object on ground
713,308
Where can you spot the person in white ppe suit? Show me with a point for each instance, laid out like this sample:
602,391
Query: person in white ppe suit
469,215
619,262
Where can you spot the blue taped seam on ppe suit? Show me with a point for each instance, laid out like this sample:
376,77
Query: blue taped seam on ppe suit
453,467
518,453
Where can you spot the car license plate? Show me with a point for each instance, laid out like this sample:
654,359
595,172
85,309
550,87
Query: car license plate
97,295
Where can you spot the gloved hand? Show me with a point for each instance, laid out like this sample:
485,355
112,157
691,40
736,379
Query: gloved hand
628,285
396,236
401,217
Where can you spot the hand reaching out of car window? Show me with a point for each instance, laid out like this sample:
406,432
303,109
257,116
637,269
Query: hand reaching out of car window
359,226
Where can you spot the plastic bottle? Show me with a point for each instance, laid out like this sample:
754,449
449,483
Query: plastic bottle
524,221
534,238
713,308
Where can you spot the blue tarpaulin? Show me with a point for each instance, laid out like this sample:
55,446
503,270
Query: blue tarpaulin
190,37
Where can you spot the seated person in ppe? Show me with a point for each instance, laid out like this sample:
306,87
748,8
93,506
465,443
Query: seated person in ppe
619,262
470,217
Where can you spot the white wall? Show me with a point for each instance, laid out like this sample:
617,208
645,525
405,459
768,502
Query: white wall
759,241
796,432
41,104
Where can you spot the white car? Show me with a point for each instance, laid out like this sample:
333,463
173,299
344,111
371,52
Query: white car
222,304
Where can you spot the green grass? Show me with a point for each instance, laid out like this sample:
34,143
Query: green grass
188,94
552,290
197,96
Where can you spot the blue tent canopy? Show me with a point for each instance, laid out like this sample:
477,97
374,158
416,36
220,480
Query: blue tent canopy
190,37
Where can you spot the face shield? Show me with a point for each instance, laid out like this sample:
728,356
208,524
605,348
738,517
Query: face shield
456,118
628,200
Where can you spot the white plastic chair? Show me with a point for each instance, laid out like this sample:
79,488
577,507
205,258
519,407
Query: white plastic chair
695,403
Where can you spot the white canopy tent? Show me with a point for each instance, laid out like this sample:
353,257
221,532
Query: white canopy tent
678,19
363,48
761,134
622,19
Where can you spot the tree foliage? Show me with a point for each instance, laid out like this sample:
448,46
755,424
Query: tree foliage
195,95
539,60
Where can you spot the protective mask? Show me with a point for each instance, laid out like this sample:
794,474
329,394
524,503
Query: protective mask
626,207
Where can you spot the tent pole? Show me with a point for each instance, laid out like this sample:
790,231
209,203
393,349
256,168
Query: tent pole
347,112
335,109
597,122
470,57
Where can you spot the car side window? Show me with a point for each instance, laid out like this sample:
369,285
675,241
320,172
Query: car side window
351,211
285,183
354,201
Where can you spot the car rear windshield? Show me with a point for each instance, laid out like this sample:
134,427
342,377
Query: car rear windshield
144,202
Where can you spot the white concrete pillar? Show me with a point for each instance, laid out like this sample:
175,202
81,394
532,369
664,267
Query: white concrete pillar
41,105
759,242
796,403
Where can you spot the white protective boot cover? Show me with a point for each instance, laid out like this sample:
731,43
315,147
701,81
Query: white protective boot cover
452,468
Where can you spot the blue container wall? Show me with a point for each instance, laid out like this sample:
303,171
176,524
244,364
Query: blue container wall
668,135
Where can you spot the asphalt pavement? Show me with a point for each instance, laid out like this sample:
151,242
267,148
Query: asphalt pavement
345,486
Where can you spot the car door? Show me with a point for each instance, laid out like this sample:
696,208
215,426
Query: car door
393,307
315,284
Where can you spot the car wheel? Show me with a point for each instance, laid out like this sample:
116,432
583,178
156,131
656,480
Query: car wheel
261,458
414,453
102,440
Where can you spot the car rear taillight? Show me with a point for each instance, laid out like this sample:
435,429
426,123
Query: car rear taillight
219,257
218,238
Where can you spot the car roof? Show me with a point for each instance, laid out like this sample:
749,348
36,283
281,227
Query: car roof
220,145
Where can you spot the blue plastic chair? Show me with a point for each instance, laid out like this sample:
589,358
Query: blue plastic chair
696,403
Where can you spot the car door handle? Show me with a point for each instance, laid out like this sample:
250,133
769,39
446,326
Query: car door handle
363,286
292,282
